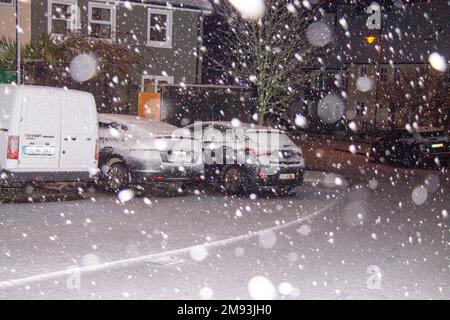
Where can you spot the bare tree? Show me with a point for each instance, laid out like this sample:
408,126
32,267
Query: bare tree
272,53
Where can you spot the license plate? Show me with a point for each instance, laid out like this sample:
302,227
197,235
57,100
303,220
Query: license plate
437,145
179,156
39,151
287,176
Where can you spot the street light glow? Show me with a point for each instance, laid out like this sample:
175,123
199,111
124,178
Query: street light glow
371,39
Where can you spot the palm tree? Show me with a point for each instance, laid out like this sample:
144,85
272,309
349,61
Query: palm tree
8,53
47,60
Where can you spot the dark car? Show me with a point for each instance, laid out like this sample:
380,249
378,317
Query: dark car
423,146
240,157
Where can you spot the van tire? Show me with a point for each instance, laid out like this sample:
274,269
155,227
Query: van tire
116,178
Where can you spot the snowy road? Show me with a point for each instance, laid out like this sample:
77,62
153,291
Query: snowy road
379,239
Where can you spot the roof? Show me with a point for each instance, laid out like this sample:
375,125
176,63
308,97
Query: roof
428,129
203,5
207,86
43,90
242,125
142,124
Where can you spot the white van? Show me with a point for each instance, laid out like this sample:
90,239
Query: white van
47,135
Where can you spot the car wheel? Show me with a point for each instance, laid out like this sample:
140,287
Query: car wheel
233,181
116,177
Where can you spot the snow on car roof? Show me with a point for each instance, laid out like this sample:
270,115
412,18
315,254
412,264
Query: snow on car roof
428,129
242,125
135,122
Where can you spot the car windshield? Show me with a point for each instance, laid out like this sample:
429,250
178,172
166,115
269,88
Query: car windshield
433,134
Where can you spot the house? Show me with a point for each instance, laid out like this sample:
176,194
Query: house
410,33
166,33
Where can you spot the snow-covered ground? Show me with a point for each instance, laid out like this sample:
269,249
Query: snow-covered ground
380,236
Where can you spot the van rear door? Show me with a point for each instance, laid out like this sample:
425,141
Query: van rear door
79,134
39,132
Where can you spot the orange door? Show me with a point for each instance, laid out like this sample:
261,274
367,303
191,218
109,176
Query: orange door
149,105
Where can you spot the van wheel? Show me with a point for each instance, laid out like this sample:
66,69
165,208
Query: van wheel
233,181
116,177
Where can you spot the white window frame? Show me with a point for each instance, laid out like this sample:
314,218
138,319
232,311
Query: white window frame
112,21
160,44
362,71
168,79
384,74
397,76
74,17
361,105
12,3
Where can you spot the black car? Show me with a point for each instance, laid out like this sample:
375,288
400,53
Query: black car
240,157
422,146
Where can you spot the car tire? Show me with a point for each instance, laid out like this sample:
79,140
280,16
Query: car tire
116,178
233,181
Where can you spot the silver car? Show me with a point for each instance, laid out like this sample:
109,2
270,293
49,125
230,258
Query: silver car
136,151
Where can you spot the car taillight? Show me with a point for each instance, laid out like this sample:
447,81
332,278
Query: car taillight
252,151
12,152
97,150
262,175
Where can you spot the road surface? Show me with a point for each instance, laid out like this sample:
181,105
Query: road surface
382,236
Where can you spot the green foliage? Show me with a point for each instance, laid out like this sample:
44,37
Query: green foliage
8,53
47,61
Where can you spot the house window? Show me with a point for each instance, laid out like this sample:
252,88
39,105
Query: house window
361,108
321,81
102,20
151,83
159,33
7,2
362,71
383,74
343,81
397,74
62,16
